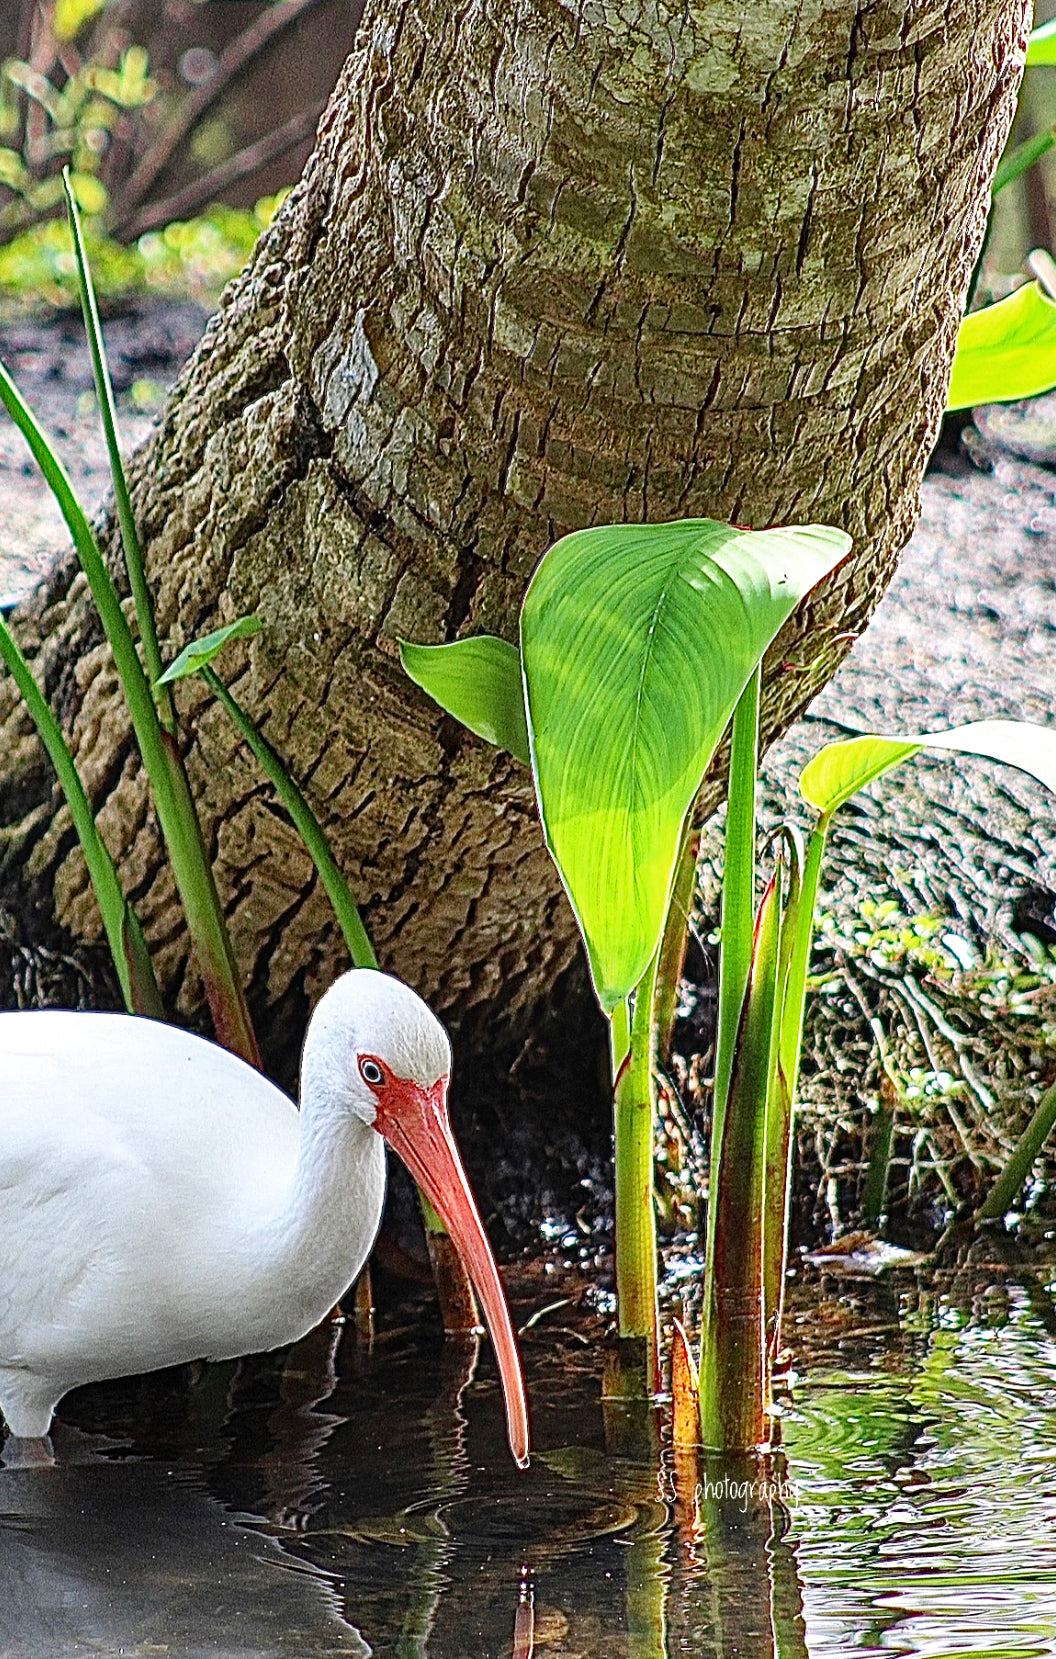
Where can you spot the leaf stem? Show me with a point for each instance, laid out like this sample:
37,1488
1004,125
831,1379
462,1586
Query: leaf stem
124,935
1006,1188
1023,158
636,1275
738,889
733,1369
672,957
307,824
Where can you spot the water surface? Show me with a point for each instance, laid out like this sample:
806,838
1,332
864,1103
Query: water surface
356,1499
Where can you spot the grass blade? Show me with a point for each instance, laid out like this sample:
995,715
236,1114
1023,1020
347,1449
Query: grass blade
124,935
161,757
307,824
104,391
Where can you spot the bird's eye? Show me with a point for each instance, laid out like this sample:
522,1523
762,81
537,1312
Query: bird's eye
371,1073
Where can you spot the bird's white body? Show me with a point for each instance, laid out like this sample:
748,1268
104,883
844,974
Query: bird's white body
161,1202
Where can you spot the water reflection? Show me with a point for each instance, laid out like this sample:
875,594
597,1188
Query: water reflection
363,1501
929,1494
122,1557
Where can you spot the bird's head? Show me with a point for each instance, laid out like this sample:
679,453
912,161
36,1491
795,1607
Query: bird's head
378,1050
370,1041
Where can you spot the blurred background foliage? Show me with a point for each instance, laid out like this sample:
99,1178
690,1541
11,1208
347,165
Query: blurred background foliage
182,122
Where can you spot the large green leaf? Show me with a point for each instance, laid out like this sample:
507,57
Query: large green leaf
1005,351
840,769
637,641
478,681
1041,47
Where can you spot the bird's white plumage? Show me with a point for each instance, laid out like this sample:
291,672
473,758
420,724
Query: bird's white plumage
160,1201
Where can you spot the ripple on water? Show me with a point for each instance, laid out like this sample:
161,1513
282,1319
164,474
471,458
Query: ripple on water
928,1500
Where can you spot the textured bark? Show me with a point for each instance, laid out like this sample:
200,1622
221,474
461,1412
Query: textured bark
549,265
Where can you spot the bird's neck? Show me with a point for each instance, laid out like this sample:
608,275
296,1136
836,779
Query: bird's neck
335,1200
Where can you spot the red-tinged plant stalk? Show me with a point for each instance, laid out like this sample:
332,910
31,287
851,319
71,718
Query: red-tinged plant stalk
732,1382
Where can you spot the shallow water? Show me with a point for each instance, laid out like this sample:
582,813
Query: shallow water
363,1501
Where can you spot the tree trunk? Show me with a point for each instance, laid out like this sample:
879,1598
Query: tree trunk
550,265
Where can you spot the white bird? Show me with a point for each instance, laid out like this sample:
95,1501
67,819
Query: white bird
161,1201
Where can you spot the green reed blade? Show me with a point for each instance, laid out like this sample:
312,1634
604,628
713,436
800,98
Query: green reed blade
104,391
307,824
128,948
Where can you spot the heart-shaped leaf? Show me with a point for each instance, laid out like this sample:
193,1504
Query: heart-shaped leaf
637,641
1005,351
200,652
840,769
477,680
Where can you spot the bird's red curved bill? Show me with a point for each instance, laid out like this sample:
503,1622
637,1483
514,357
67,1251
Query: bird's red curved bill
420,1133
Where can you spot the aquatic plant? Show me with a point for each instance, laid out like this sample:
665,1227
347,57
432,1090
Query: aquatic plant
637,645
637,642
759,1038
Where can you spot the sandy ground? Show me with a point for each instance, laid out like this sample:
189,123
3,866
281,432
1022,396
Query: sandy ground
51,367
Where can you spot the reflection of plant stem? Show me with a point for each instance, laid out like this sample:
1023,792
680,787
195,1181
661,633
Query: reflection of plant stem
786,1591
646,1568
307,1379
524,1620
750,1576
647,1579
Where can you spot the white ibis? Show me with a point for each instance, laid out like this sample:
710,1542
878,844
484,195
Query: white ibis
161,1201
